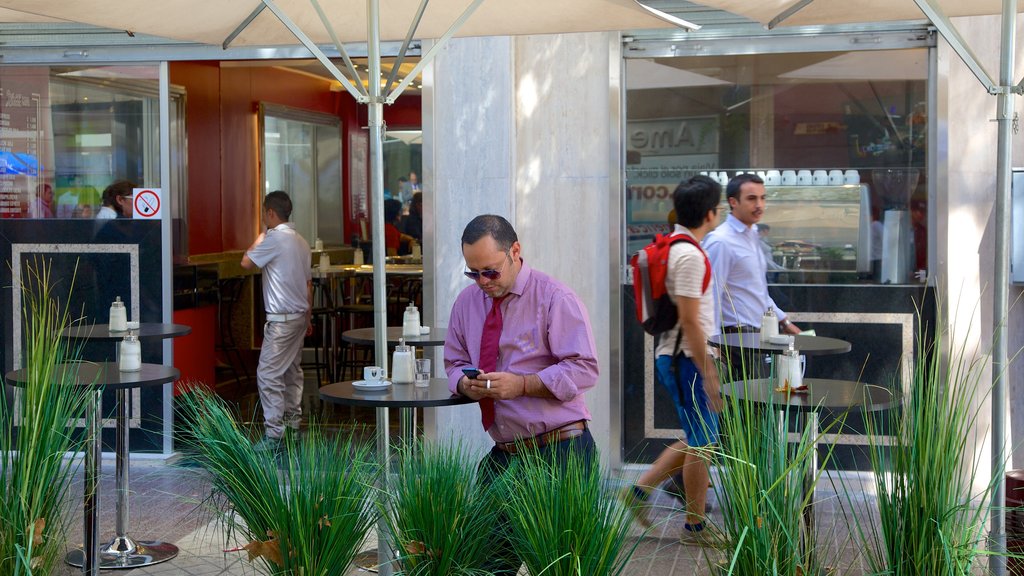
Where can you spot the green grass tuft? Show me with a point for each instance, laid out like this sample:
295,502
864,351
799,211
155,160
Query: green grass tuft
564,517
36,432
439,516
306,511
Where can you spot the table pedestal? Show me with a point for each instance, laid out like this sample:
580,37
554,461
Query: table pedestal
124,552
90,563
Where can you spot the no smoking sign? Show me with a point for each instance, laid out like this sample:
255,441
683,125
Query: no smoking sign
147,203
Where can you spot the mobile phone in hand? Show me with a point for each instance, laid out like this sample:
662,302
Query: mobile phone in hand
471,372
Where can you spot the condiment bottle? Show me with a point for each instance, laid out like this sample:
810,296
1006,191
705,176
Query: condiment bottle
357,256
130,357
411,321
769,325
403,369
118,316
790,372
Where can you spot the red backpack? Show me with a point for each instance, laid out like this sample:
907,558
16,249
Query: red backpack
655,308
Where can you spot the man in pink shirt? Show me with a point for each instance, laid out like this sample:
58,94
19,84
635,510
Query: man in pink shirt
542,359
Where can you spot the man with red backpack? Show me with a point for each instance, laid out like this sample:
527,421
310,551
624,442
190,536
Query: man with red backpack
686,367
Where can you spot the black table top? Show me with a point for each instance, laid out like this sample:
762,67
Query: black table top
364,336
146,331
837,395
809,345
106,375
396,395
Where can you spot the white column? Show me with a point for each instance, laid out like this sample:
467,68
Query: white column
523,127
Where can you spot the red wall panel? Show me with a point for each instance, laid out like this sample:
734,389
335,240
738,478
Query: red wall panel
222,104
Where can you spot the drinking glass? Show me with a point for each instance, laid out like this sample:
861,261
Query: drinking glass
422,372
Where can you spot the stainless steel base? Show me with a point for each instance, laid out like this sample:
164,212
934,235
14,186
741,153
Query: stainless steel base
125,553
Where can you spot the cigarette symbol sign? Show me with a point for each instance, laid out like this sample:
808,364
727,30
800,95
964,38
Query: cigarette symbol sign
147,203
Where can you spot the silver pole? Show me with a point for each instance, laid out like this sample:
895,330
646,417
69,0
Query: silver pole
375,116
1004,151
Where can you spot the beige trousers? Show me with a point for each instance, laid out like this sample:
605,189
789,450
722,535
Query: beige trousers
279,375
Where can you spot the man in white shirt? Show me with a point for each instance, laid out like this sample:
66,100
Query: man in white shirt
687,369
741,295
283,255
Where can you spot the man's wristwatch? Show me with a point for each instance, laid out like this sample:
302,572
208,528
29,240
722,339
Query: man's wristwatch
785,322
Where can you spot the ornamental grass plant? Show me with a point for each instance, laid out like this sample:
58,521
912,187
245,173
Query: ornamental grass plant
765,485
36,434
304,510
932,520
439,517
564,519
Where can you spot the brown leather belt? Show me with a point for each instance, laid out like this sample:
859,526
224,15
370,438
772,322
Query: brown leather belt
555,436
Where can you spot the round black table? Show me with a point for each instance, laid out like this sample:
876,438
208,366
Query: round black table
821,394
123,551
365,337
100,376
807,345
146,331
394,396
407,396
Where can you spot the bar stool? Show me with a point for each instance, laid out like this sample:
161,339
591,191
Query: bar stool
229,293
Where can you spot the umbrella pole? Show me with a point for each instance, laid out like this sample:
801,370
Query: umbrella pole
375,121
1004,118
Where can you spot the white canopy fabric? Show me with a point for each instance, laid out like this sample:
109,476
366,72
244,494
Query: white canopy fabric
211,21
821,12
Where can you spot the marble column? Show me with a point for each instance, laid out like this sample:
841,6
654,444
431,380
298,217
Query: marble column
528,128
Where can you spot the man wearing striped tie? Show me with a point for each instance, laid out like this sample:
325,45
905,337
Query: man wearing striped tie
520,343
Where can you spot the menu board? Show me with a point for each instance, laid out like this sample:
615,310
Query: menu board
26,142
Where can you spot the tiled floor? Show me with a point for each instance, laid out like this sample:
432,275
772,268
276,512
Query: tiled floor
166,504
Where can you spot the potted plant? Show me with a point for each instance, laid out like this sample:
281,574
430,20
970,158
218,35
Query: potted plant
305,511
439,518
932,520
765,487
35,436
564,518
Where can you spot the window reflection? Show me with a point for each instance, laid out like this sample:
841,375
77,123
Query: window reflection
839,138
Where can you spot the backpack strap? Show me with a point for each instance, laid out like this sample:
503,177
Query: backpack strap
707,262
703,289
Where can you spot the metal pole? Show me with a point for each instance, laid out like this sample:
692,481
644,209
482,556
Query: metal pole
375,121
1004,151
91,519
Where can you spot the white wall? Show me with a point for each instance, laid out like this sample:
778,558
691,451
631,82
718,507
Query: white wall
965,229
523,127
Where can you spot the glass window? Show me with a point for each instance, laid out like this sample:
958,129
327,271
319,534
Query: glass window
302,156
69,132
838,137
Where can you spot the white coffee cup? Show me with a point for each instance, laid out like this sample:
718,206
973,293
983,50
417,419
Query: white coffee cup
851,177
803,178
835,177
819,178
773,178
762,175
373,373
789,177
723,178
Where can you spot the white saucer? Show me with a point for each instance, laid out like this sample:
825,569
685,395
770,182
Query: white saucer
371,384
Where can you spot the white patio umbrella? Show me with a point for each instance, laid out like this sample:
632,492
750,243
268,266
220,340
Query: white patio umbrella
816,12
312,23
276,22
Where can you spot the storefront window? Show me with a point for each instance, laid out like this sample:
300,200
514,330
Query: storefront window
838,137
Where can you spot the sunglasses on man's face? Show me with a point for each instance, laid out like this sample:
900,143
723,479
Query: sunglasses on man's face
488,274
